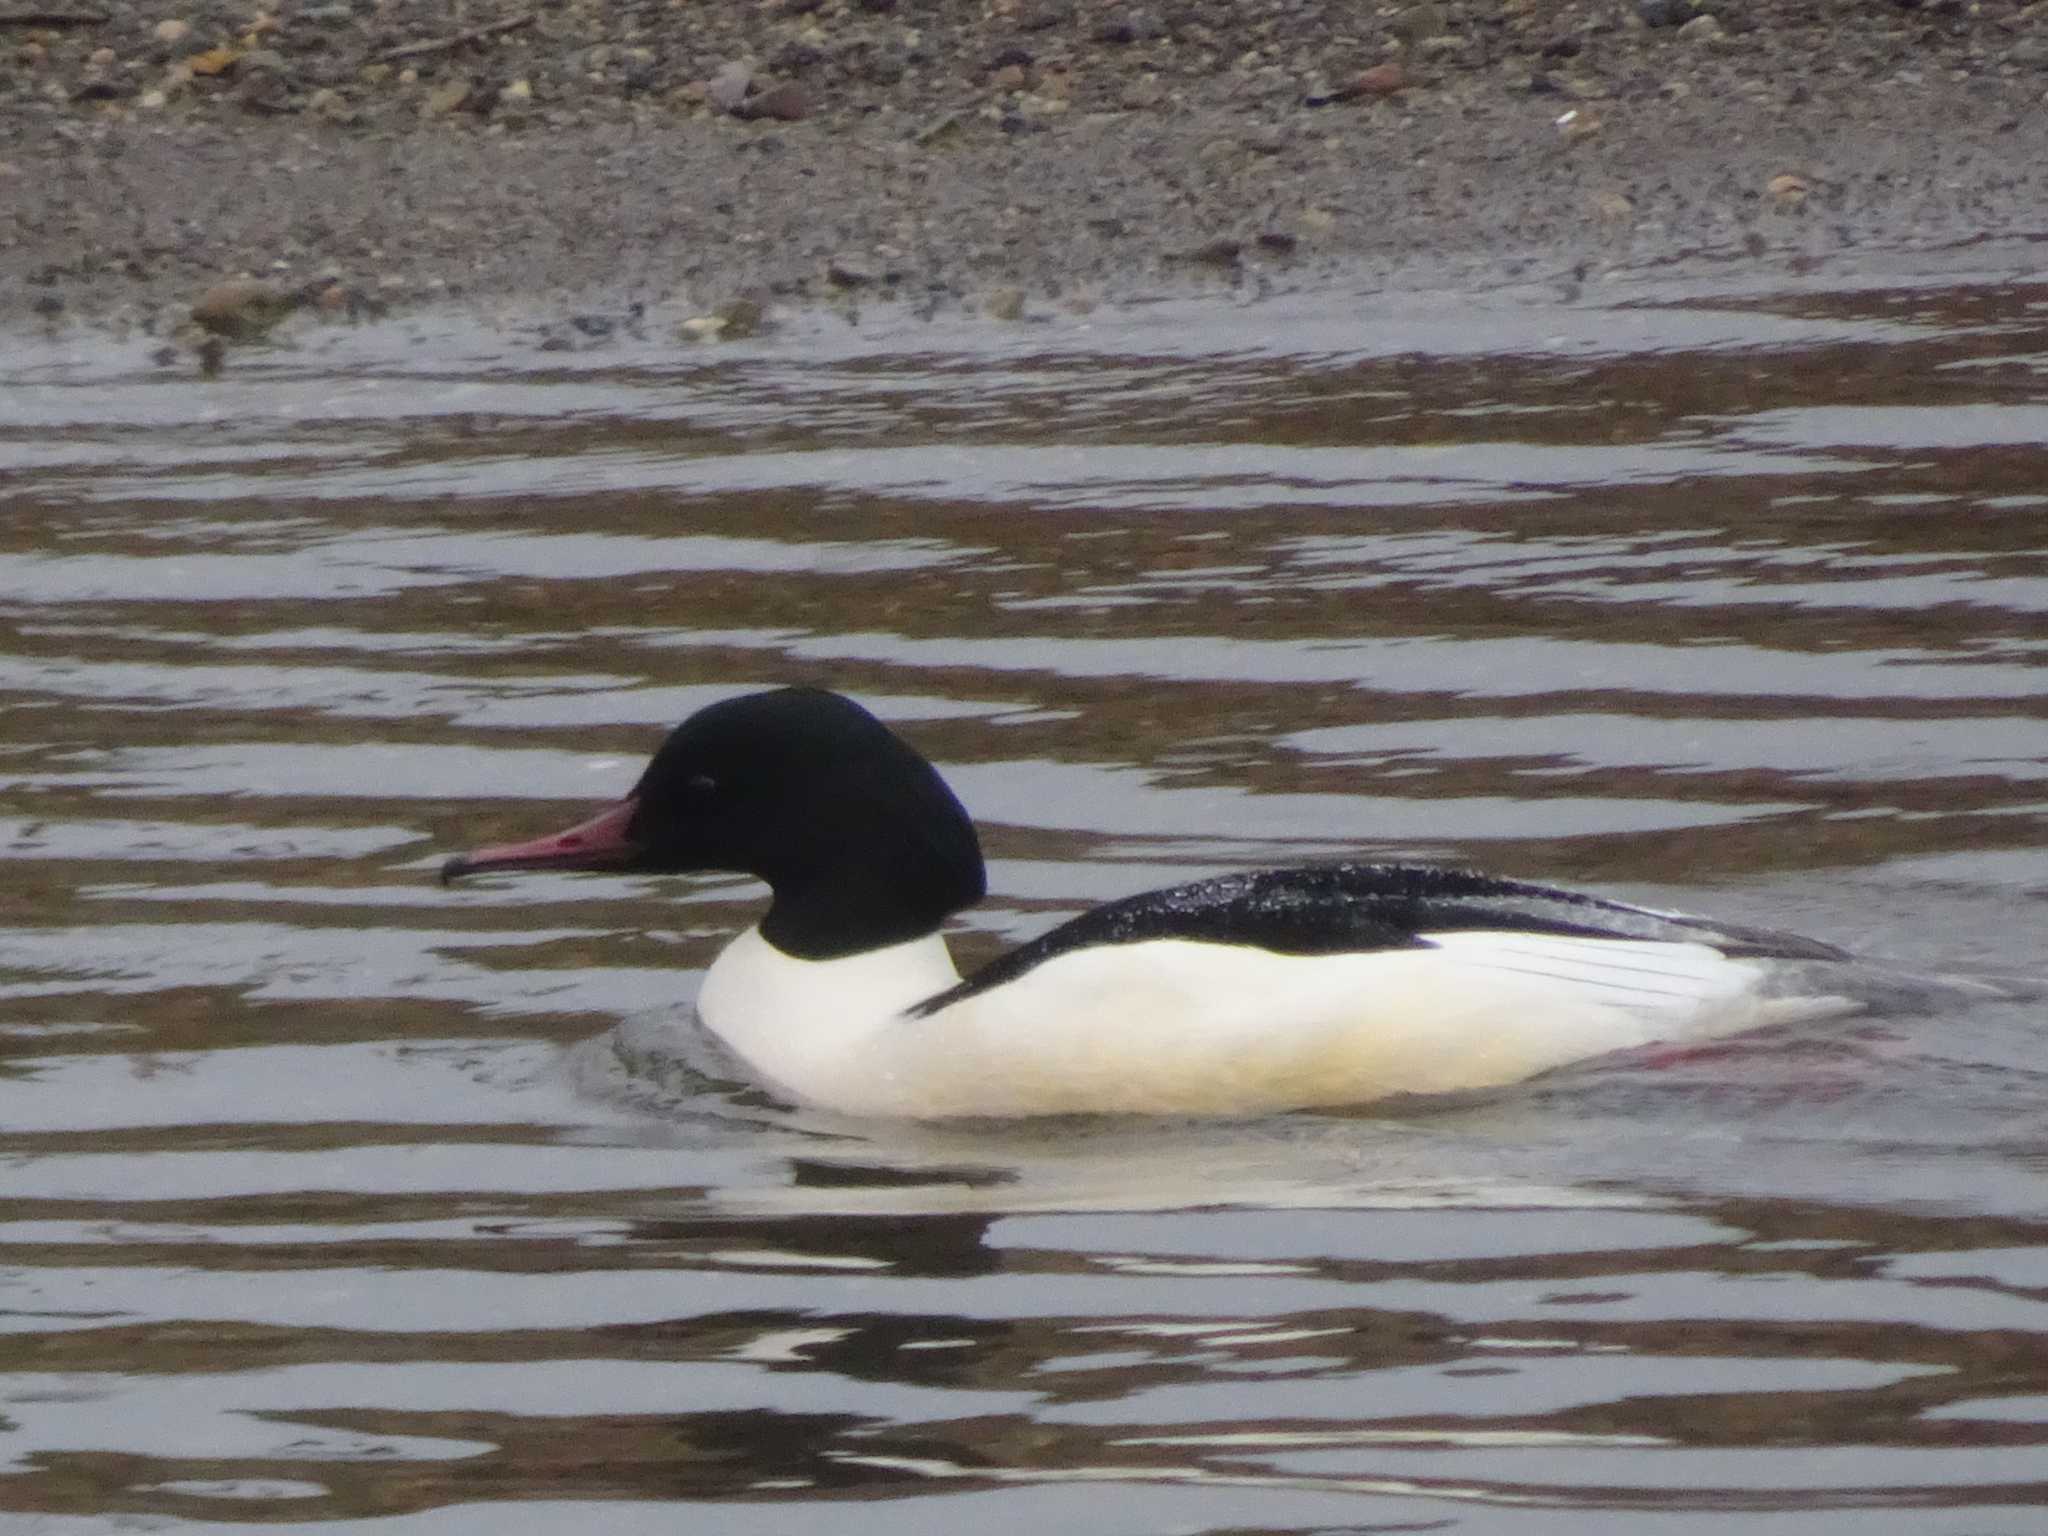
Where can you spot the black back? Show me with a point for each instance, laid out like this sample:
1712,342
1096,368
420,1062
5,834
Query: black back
1328,909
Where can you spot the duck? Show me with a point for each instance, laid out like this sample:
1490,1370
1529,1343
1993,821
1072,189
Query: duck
1319,986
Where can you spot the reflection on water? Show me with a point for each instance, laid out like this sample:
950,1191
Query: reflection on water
335,1195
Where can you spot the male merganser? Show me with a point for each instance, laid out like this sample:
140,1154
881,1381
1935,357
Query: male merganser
1320,986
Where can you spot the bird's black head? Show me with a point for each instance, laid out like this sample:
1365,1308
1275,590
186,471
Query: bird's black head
857,835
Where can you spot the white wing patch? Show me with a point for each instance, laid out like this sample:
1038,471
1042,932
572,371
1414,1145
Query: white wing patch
1646,975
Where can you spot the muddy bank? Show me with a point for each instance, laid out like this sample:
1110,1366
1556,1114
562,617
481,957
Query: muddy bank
992,154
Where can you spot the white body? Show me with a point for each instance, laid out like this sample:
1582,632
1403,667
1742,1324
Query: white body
1177,1026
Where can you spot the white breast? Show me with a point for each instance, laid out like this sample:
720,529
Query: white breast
1173,1026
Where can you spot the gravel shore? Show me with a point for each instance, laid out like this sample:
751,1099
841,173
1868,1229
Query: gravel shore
1002,154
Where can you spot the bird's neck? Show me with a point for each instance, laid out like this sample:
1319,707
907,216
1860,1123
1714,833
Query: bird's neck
882,897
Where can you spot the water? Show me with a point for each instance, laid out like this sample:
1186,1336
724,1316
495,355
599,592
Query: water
333,1195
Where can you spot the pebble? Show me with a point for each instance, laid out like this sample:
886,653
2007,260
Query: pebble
172,29
1788,189
1420,21
330,104
741,317
848,272
787,102
215,61
242,308
1220,252
1705,30
1380,80
727,90
1134,26
1578,124
446,97
1004,304
1665,13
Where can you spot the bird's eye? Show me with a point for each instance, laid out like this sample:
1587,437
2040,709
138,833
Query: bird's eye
701,784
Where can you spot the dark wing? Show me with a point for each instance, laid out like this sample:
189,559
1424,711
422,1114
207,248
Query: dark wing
1339,908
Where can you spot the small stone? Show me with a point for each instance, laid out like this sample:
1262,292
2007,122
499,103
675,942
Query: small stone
1265,141
787,102
848,272
1220,252
727,90
445,98
215,61
1143,93
1317,221
1788,190
153,100
1616,207
1566,45
1218,152
1278,241
1704,30
1380,80
1578,124
1665,13
171,30
242,308
1009,78
1441,46
1418,22
1133,26
100,58
885,65
330,104
701,328
741,316
1004,304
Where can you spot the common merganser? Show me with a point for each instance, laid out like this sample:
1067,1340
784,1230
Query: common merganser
1319,986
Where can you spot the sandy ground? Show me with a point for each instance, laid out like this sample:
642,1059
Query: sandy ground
942,153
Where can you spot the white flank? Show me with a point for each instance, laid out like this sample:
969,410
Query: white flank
1175,1026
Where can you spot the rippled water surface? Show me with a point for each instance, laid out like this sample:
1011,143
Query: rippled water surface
330,1195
